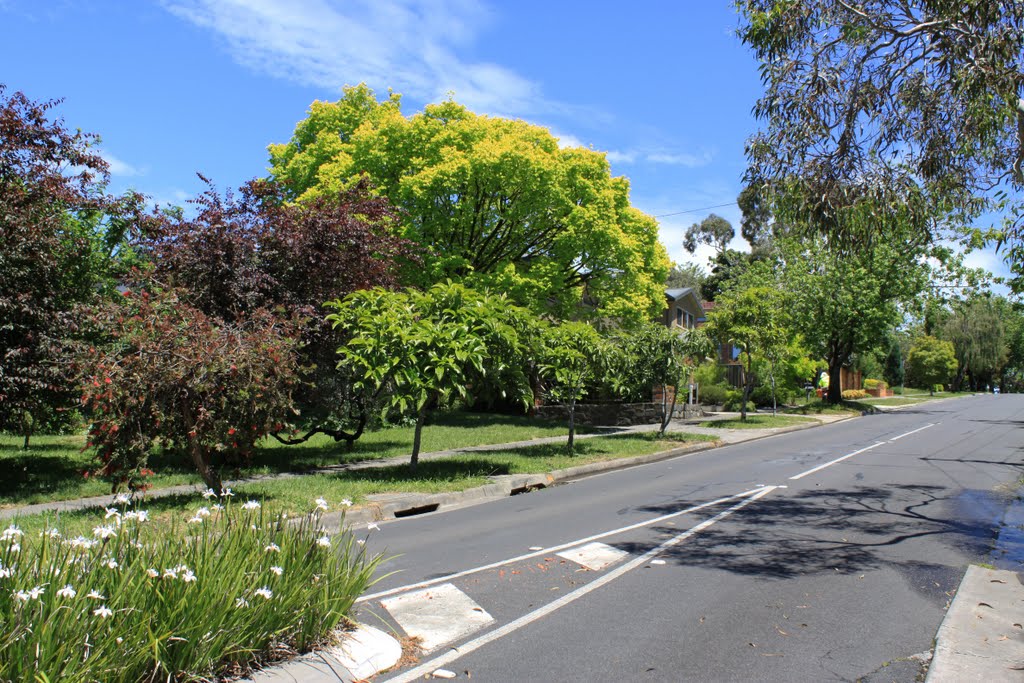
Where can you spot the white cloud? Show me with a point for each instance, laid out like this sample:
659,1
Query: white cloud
617,157
408,45
120,168
687,160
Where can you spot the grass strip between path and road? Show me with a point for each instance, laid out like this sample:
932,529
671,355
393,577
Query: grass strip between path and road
758,421
452,473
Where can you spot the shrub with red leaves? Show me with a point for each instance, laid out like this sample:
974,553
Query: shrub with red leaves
170,374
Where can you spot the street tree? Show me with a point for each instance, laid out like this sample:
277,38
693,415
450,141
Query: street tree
573,356
248,251
714,231
752,319
846,303
913,109
412,351
494,202
931,361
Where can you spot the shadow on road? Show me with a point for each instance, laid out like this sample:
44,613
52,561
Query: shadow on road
843,531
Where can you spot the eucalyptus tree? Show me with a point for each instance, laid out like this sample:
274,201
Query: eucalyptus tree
911,108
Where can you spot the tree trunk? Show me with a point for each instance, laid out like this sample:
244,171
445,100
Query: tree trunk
771,374
666,417
572,425
747,377
421,417
199,458
835,384
26,427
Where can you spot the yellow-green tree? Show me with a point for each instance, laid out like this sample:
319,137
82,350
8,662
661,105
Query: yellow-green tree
496,202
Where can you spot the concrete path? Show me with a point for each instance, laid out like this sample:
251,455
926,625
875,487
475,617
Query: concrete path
982,635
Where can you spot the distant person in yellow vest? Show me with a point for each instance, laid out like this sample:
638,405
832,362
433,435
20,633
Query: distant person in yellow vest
823,384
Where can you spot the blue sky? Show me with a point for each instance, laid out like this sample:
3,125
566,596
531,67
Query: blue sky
176,87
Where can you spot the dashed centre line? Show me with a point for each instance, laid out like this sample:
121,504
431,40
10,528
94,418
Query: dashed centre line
858,452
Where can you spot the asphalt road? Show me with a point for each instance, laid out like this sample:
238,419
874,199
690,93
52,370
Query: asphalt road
822,555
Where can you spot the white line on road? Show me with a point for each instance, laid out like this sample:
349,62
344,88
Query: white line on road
833,462
850,455
526,619
920,429
563,546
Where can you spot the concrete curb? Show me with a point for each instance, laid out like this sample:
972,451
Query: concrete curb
981,638
361,653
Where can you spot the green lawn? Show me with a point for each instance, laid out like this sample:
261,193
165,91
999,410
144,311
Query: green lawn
53,467
819,407
758,421
455,473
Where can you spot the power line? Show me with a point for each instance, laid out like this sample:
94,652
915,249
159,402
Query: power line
704,208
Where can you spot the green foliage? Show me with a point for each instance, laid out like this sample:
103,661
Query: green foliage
135,604
751,319
875,384
683,275
928,138
714,394
572,355
931,361
976,329
713,231
422,350
846,303
894,370
496,202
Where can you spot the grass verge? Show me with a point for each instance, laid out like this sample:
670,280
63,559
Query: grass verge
758,421
454,473
52,468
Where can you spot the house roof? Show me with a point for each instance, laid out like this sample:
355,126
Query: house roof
674,295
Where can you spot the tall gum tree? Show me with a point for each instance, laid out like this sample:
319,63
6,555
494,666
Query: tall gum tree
912,107
496,201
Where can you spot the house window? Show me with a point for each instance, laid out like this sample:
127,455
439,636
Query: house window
679,317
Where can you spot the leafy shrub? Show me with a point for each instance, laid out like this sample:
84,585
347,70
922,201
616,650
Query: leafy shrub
854,394
707,374
939,387
762,395
204,388
713,394
875,384
734,402
133,604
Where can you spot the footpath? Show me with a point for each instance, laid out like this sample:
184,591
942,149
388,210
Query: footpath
981,637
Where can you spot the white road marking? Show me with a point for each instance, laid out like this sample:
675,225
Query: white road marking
833,462
594,556
437,615
556,548
491,636
921,429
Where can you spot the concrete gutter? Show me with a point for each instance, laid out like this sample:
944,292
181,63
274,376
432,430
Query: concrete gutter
982,635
